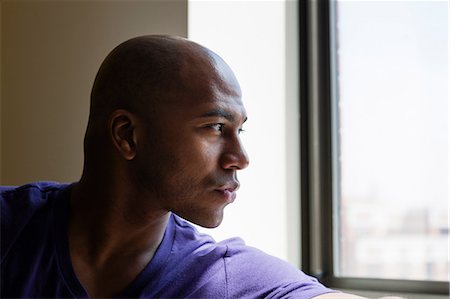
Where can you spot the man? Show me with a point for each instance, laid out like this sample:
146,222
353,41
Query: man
162,144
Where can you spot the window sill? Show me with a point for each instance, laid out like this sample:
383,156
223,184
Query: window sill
373,294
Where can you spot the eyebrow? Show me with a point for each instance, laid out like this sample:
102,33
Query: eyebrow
219,112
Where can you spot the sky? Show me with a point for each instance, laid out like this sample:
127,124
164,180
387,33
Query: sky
394,107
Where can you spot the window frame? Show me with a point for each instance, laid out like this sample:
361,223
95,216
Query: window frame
317,90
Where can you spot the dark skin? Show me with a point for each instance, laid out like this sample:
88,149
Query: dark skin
163,137
176,149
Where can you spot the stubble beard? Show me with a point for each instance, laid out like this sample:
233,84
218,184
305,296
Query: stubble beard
173,187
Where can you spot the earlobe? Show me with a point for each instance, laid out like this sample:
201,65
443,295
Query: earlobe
123,133
125,146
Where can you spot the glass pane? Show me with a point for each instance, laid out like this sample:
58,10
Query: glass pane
391,117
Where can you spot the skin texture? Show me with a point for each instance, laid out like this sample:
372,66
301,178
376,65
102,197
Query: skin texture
162,137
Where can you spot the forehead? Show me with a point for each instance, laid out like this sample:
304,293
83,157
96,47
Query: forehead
215,103
206,83
201,82
230,108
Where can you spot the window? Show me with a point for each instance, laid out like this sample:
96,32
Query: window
375,140
391,112
340,42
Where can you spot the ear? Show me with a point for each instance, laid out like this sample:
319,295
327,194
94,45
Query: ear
123,133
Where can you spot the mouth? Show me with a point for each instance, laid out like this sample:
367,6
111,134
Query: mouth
228,191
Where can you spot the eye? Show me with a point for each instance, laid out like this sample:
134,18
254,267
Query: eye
241,130
216,127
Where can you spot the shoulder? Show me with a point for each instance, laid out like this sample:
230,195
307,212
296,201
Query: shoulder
266,276
234,269
26,199
29,190
19,204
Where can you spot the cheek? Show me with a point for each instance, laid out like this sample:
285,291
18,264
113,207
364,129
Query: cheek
198,150
192,166
177,159
208,150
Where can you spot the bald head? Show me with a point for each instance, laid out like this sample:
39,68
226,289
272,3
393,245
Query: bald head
145,73
149,69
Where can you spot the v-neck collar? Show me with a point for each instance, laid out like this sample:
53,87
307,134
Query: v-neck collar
149,275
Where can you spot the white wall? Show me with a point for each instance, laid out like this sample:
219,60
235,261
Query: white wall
258,39
51,51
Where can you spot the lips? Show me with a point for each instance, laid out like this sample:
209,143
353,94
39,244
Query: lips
229,187
228,191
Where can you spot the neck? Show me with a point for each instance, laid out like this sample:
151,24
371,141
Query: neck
114,232
109,220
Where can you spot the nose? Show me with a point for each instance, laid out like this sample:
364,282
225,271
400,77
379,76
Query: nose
234,155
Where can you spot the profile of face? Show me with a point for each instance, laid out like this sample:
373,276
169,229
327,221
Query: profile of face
191,150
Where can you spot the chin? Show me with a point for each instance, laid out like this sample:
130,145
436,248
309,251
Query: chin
206,221
211,224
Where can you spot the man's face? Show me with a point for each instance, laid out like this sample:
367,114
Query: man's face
193,150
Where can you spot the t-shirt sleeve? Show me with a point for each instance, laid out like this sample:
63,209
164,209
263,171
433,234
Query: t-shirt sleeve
18,205
251,273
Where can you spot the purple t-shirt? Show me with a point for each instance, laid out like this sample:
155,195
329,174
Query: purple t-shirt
35,259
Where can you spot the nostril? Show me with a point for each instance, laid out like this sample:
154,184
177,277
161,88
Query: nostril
235,161
234,155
